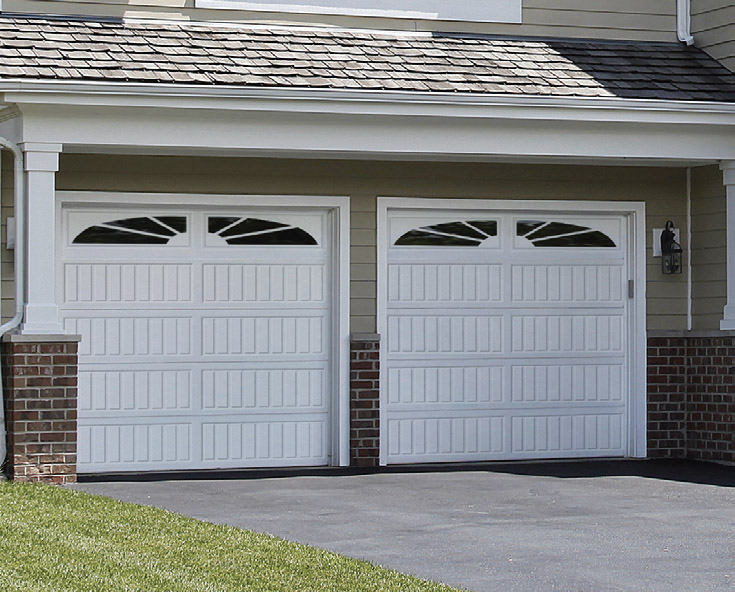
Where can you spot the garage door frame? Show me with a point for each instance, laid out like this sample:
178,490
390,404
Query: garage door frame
339,226
634,214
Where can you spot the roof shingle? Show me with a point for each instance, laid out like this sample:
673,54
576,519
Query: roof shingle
36,48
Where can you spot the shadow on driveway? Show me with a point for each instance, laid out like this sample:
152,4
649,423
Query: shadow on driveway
683,471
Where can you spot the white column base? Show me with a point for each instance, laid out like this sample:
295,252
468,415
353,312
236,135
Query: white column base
728,322
45,320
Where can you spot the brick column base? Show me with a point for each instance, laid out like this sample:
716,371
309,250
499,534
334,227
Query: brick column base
364,400
711,397
40,394
667,397
691,395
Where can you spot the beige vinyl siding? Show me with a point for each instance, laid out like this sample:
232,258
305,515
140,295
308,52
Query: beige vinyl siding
709,251
713,27
651,20
662,189
7,287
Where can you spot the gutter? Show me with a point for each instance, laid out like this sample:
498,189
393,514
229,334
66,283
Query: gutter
19,213
172,91
684,21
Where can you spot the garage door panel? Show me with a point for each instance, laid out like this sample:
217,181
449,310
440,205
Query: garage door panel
456,384
153,445
428,439
286,388
263,335
127,283
121,336
265,442
227,283
445,333
563,433
567,283
539,333
118,391
426,283
567,382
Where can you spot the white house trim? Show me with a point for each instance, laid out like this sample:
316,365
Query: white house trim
635,216
339,207
728,179
358,130
41,310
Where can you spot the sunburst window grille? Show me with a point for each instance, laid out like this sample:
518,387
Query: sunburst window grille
236,230
560,234
470,233
142,230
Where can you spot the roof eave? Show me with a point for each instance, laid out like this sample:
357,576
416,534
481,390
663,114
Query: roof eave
384,102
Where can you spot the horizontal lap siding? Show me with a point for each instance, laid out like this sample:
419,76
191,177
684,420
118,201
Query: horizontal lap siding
652,20
709,254
663,190
7,288
713,27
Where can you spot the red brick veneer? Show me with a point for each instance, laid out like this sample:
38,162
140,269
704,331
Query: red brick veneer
40,394
667,394
711,398
364,400
691,395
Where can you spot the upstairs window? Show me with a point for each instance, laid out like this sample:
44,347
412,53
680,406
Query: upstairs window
488,11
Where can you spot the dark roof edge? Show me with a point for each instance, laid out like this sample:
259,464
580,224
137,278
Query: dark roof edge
74,18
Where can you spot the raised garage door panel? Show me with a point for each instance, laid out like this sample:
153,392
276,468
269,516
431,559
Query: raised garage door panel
506,336
208,350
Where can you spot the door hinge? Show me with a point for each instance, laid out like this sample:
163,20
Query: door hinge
631,285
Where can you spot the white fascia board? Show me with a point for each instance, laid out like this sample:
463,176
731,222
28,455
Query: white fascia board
366,102
370,125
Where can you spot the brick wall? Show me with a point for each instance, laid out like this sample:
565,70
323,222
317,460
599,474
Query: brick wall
691,395
364,400
40,393
711,398
667,396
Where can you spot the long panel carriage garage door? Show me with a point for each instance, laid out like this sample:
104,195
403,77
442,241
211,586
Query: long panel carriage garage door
506,336
205,336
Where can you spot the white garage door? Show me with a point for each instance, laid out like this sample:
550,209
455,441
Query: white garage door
506,336
205,336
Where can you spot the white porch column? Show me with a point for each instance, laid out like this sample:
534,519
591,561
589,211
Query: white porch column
728,178
41,310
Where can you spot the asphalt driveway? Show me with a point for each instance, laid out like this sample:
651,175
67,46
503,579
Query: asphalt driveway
650,526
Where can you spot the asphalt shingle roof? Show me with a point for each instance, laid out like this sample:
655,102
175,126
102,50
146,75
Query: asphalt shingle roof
33,48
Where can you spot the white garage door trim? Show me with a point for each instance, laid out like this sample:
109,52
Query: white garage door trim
338,209
633,213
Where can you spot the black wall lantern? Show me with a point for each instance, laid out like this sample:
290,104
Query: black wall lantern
670,250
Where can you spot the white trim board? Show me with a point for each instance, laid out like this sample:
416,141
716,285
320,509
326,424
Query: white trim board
96,118
339,207
485,11
634,213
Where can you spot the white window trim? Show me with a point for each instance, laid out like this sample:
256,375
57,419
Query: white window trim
339,207
486,11
634,213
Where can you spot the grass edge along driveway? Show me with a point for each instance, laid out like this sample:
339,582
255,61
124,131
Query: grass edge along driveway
55,539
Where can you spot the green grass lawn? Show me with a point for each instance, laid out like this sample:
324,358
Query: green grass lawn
56,539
